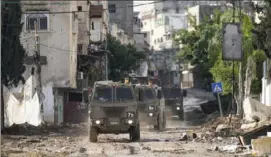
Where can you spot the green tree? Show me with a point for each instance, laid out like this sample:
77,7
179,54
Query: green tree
12,52
203,46
262,30
123,60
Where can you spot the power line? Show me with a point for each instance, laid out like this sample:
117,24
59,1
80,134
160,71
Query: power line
64,50
68,12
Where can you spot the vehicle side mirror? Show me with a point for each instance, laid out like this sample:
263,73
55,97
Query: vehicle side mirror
184,93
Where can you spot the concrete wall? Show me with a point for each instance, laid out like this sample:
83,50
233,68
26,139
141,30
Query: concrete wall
123,16
101,25
83,26
266,85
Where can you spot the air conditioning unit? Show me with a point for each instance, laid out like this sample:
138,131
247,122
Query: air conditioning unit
80,75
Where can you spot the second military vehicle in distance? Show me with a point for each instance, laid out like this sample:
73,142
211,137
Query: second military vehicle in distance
151,110
113,109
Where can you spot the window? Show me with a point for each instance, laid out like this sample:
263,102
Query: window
103,94
177,10
168,37
154,41
75,97
79,48
41,19
149,94
79,8
112,8
123,94
151,32
161,39
145,23
145,35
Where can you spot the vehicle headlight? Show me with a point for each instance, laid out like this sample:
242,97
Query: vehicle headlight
178,108
150,114
98,122
130,121
151,108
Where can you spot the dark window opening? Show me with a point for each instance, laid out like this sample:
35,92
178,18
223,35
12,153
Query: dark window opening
103,94
41,21
145,35
79,8
123,94
79,48
177,10
112,8
75,97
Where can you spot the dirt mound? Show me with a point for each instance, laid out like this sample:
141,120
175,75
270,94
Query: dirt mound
213,121
27,129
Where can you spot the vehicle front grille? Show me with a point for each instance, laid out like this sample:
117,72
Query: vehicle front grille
114,111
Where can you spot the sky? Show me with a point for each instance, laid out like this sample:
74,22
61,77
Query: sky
136,2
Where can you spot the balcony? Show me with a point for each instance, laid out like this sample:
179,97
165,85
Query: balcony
96,11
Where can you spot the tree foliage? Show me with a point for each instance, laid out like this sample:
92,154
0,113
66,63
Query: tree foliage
12,52
262,30
202,46
123,60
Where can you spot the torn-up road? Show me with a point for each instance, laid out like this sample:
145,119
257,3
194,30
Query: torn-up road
73,141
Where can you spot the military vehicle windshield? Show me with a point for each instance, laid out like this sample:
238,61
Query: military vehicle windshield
171,92
123,94
103,94
175,93
149,94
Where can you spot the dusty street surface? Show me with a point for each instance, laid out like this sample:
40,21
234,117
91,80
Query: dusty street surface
73,141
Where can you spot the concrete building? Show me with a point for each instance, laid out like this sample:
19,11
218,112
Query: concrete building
121,13
120,35
58,47
162,20
71,34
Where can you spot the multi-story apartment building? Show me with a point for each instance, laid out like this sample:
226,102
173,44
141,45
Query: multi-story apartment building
162,20
71,33
57,27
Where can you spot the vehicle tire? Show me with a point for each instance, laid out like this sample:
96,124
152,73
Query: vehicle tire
156,126
135,133
159,125
164,120
93,134
181,114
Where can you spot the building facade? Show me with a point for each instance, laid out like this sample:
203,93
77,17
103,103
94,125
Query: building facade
121,13
58,34
162,20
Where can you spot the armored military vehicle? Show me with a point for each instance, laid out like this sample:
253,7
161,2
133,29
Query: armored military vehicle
113,109
151,111
172,98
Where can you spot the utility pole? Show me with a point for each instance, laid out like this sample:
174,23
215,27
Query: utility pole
106,59
38,67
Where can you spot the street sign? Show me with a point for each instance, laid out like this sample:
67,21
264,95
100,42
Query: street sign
217,87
